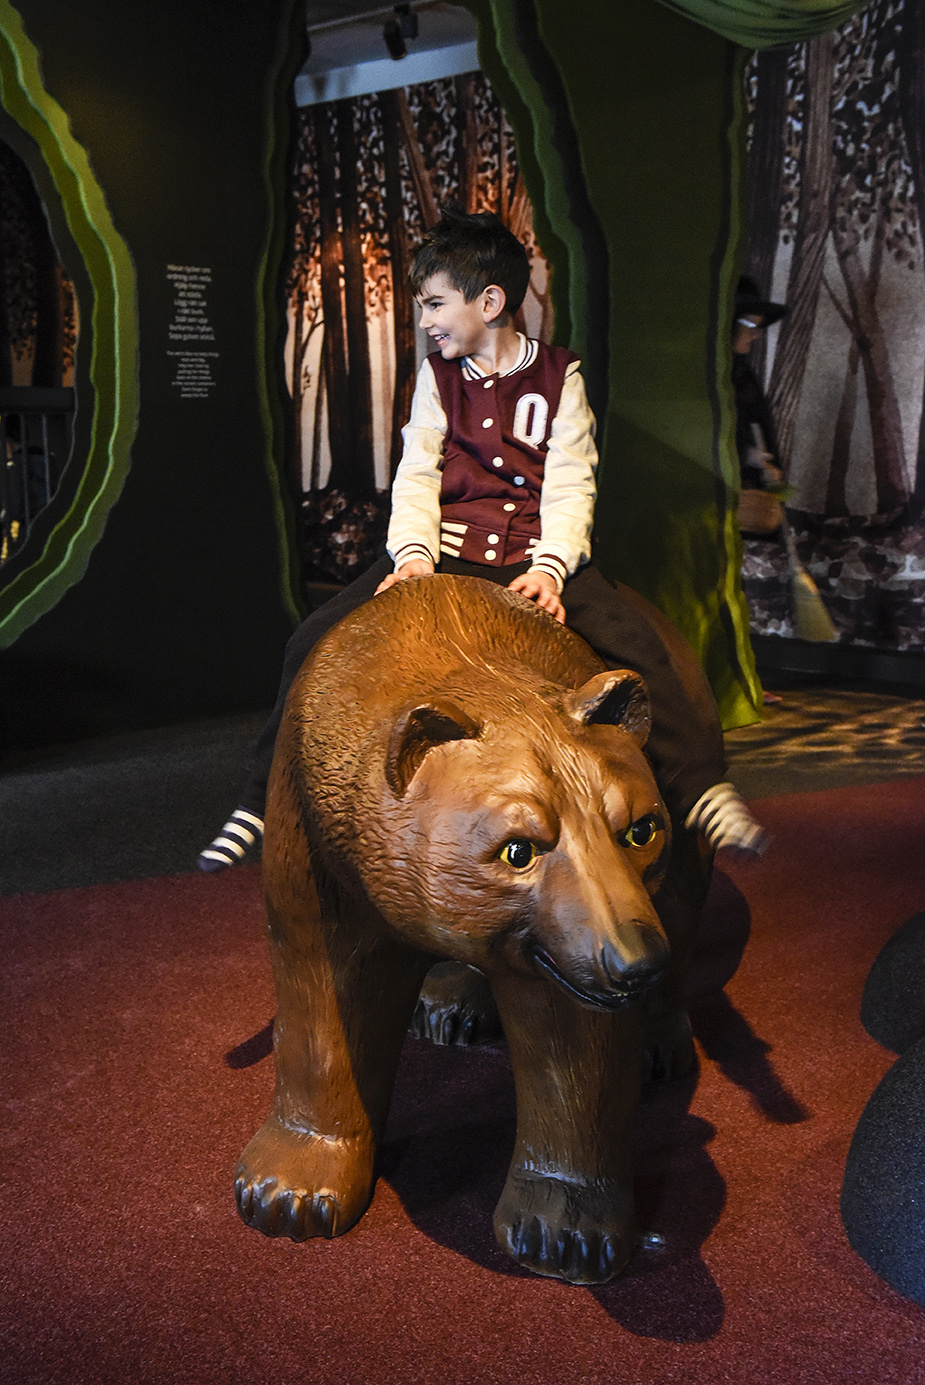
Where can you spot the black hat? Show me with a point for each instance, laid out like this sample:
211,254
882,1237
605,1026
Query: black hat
749,302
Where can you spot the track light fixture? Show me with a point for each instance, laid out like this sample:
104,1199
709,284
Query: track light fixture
403,25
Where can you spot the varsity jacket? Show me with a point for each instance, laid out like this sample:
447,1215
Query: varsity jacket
498,468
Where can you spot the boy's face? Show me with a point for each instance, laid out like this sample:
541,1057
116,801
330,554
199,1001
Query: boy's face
456,328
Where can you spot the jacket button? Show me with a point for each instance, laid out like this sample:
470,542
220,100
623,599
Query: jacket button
487,422
490,554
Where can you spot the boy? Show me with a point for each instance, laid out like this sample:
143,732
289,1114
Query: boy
497,480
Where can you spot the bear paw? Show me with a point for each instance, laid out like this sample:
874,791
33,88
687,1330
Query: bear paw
298,1184
582,1233
456,1006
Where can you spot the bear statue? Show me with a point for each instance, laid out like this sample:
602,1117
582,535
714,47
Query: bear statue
458,778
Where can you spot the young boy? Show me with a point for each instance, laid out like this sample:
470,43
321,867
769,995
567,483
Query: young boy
497,480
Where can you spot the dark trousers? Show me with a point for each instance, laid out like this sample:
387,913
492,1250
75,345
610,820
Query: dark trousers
685,744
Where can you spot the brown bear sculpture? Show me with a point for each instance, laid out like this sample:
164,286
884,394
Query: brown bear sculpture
458,777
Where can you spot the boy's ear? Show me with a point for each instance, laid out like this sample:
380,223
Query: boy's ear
494,302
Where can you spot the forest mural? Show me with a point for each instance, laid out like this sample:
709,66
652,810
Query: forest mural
836,208
38,335
368,178
38,311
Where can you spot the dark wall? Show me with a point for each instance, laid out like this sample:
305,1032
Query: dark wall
184,608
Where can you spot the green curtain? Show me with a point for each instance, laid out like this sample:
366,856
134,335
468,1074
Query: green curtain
764,23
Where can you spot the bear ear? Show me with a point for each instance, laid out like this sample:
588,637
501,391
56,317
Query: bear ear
616,698
419,731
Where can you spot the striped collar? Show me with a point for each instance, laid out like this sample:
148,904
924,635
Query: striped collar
528,353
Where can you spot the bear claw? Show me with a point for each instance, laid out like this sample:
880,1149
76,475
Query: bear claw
290,1183
566,1254
581,1233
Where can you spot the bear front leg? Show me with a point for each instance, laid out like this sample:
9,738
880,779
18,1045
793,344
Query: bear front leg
567,1208
338,1032
345,992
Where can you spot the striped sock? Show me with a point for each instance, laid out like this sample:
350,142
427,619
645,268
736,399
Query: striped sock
241,832
725,821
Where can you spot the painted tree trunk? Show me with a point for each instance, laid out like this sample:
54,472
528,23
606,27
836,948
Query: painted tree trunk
402,302
885,419
420,177
809,245
836,498
334,354
911,43
318,419
765,167
468,147
295,378
359,474
836,490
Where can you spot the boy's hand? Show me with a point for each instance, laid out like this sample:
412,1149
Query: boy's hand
541,588
418,567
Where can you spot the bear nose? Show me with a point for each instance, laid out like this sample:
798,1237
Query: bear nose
636,956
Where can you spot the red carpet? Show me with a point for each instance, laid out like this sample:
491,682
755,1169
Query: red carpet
135,1069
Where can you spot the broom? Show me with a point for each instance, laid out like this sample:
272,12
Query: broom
811,621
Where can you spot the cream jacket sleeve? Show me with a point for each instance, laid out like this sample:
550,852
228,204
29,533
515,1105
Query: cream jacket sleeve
569,484
414,528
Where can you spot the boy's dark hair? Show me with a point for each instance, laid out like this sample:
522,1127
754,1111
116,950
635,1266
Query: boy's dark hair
473,250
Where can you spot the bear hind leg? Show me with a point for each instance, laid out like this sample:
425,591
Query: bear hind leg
456,1006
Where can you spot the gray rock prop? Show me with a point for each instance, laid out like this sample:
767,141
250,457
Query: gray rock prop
883,1193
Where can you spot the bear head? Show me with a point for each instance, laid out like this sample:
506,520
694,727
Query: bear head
526,831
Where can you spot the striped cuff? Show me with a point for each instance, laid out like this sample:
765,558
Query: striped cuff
553,567
410,552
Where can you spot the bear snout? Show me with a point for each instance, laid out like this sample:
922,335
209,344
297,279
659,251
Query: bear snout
619,973
636,958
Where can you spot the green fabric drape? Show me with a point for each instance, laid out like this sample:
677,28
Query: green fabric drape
764,23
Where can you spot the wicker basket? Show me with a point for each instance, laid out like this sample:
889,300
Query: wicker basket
760,512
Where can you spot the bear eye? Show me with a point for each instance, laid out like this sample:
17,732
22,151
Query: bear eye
519,852
642,832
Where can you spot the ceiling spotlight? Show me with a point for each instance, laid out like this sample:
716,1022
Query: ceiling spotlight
395,31
394,38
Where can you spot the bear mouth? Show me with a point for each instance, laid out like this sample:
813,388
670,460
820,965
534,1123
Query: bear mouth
614,999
